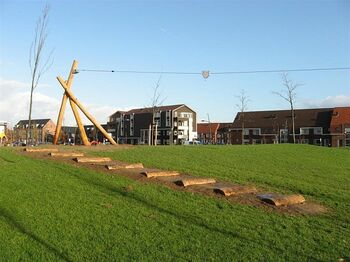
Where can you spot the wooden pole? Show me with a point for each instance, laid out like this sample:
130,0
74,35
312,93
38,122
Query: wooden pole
80,124
74,109
155,134
90,117
149,134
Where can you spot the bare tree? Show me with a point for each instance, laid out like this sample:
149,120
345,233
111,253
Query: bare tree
242,106
38,65
289,94
156,101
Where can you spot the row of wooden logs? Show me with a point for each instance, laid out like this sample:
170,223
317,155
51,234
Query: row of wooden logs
226,190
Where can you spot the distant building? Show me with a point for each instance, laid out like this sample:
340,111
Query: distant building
3,127
340,126
175,124
223,134
214,133
94,134
69,135
207,133
323,126
42,130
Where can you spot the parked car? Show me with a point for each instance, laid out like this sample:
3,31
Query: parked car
195,142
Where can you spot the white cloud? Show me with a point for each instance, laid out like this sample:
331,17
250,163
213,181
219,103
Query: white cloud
9,85
14,102
329,101
14,105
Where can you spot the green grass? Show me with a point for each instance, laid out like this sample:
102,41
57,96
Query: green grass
54,211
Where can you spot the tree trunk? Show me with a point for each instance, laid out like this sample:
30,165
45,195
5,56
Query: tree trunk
242,129
293,124
28,133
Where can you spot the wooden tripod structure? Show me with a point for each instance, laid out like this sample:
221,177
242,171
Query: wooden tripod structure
74,103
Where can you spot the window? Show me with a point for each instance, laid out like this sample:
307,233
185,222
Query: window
167,118
144,136
347,136
318,131
326,142
186,115
132,124
283,135
304,131
256,131
122,126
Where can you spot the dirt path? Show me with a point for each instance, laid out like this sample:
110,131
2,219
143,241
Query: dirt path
247,198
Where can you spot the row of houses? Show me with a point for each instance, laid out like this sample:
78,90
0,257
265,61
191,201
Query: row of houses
322,126
176,124
43,131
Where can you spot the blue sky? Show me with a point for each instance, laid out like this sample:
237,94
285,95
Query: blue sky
188,36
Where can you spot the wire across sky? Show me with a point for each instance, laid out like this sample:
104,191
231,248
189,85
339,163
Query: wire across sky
207,72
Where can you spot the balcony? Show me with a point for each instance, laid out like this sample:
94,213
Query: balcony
182,127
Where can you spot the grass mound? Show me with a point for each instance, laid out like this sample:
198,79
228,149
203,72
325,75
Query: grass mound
54,211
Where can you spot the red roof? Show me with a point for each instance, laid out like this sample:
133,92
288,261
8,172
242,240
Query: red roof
340,116
318,117
206,128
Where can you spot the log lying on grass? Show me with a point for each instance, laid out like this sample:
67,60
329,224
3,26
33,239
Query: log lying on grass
66,154
124,166
34,150
150,174
195,181
92,159
282,200
234,190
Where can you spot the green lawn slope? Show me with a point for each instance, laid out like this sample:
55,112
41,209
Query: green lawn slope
54,211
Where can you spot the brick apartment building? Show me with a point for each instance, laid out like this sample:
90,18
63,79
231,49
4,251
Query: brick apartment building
42,130
175,124
94,134
212,133
322,126
340,126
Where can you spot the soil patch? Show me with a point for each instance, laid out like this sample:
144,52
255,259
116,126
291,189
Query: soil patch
249,194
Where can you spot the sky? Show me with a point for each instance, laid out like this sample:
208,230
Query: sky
181,36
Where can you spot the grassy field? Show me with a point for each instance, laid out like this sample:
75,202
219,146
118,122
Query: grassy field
54,211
